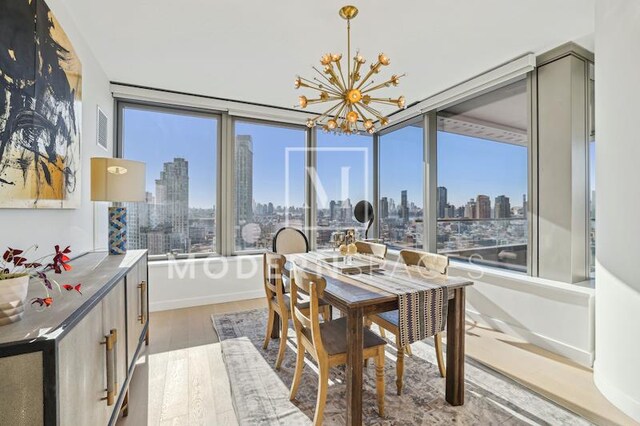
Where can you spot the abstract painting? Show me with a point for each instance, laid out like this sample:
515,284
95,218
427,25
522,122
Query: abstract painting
40,109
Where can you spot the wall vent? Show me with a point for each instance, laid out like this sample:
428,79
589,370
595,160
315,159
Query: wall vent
102,129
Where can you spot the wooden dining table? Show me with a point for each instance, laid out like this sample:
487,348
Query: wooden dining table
356,299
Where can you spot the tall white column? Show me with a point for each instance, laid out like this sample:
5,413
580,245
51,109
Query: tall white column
617,366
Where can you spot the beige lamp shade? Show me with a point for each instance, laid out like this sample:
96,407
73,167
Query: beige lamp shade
116,179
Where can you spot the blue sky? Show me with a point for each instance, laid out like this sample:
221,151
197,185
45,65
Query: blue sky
467,166
270,145
156,138
402,164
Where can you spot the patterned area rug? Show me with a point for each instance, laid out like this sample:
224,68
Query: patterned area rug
490,398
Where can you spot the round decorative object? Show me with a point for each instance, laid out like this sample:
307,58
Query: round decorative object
354,96
352,249
348,12
343,250
13,296
363,211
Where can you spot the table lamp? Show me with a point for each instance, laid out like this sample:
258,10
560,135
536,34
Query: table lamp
117,180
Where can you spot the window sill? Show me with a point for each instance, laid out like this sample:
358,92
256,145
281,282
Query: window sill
206,259
583,287
473,271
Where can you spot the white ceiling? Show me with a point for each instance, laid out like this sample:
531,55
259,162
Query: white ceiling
251,50
505,107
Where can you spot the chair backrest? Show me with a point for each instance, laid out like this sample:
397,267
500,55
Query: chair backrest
374,249
435,263
273,264
290,240
306,322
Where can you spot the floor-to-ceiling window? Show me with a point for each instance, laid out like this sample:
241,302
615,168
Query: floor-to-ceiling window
179,148
343,177
401,183
482,179
592,175
269,181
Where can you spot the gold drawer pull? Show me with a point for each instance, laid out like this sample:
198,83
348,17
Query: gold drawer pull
143,302
111,344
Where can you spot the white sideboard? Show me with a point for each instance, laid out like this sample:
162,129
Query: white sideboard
71,363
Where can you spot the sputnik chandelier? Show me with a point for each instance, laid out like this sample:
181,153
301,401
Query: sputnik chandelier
352,95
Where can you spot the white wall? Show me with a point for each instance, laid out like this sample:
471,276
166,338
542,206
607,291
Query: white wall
24,227
617,366
195,282
552,315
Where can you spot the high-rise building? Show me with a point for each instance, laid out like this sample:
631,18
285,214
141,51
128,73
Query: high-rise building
483,207
525,206
470,209
449,211
332,210
172,193
442,201
158,240
138,219
384,208
244,179
502,208
404,206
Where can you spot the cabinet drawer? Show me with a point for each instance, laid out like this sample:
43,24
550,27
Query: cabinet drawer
82,373
114,318
136,308
21,393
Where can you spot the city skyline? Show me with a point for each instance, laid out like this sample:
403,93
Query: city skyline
479,207
165,222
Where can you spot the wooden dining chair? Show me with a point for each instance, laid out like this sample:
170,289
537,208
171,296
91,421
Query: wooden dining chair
374,249
279,303
327,342
434,264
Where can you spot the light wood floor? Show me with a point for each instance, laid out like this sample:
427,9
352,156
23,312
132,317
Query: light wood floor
558,378
181,378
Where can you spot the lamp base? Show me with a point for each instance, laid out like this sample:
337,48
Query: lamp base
117,230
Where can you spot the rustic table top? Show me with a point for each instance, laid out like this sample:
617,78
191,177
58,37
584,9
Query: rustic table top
364,289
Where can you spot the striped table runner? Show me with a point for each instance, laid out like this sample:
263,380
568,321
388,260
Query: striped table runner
422,296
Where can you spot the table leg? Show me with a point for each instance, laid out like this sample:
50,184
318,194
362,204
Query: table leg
455,348
354,366
275,331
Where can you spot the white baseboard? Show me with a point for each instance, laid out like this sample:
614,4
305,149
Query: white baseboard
620,399
166,305
581,356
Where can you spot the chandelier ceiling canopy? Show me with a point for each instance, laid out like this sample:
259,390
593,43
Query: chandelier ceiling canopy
352,96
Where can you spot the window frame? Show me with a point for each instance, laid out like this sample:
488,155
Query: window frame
532,172
118,152
420,120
